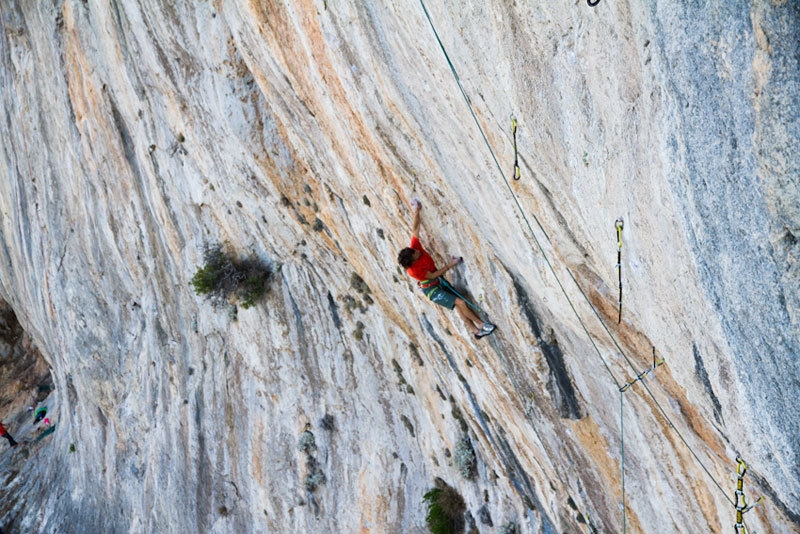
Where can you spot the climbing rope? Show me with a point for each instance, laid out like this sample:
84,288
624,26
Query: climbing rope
653,397
511,191
592,530
619,225
510,375
592,4
516,387
640,376
622,460
448,286
741,502
516,158
569,272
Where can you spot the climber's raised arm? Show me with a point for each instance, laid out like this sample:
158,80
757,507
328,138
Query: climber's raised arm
415,207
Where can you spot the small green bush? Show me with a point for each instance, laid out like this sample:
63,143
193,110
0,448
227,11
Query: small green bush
359,285
306,443
445,510
464,458
314,476
314,480
436,518
358,333
223,278
253,287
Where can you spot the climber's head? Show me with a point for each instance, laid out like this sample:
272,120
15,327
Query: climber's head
408,256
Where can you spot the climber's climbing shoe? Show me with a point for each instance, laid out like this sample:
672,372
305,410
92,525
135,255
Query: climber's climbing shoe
485,330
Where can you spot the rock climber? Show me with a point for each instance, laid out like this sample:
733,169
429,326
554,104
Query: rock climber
4,433
420,266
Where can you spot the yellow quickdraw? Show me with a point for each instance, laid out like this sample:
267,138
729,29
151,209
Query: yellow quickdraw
516,158
741,502
640,376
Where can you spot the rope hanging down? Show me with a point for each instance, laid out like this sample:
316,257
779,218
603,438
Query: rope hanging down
741,502
619,225
516,200
569,272
640,376
622,461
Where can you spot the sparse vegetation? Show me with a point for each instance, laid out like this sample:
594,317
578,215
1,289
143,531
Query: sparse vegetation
360,286
445,510
313,480
226,280
415,354
464,458
402,384
314,475
508,528
457,415
306,443
327,422
358,333
349,304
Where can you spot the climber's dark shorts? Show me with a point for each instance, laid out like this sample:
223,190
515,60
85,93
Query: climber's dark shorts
440,294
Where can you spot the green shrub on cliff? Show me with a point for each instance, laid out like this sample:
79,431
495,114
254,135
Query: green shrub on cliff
446,509
464,458
224,278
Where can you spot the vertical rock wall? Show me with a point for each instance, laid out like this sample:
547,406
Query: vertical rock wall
296,132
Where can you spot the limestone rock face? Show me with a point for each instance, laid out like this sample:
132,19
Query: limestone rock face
134,133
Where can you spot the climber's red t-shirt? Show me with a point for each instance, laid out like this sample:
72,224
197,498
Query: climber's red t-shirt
420,268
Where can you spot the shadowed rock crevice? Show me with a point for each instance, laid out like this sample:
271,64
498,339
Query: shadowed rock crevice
25,381
559,383
334,311
765,488
520,479
24,374
515,472
702,374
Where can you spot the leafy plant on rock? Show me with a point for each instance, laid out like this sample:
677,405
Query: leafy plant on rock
464,458
224,278
314,476
306,443
445,510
